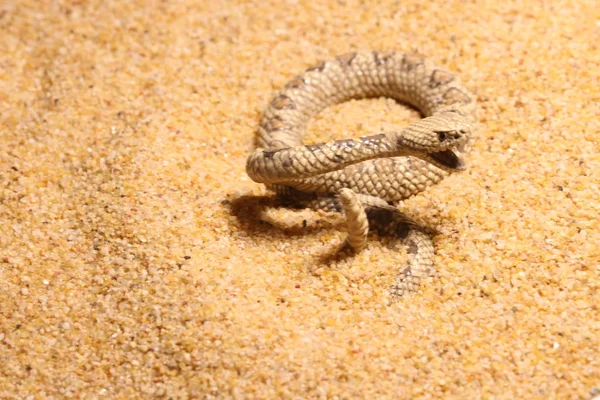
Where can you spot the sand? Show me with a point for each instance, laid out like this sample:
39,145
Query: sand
137,260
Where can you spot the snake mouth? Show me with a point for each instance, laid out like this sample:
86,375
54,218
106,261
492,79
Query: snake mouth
448,159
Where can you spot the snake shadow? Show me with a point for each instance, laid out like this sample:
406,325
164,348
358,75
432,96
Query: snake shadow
252,217
250,213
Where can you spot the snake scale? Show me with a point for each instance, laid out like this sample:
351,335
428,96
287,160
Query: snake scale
363,177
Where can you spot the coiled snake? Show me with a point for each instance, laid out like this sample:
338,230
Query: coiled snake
361,177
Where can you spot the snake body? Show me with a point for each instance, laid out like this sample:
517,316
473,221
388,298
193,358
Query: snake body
362,176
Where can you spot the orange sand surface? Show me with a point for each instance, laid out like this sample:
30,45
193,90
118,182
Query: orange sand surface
137,260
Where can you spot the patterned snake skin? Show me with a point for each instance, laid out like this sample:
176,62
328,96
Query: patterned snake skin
361,177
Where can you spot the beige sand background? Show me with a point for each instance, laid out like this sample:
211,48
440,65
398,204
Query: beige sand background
138,260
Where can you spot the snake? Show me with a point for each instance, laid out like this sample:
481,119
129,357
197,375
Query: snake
364,177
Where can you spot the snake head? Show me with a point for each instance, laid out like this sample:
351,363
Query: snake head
451,158
439,140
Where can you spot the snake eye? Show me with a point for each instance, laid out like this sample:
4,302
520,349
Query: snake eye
441,136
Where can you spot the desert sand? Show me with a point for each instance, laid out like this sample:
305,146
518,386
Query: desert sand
138,260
